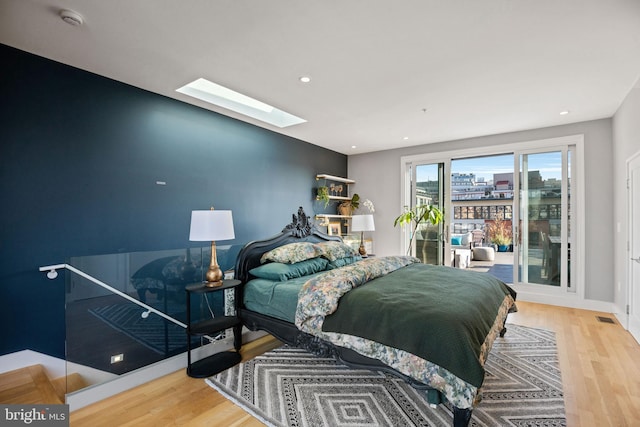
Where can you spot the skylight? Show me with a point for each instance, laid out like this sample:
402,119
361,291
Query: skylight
223,97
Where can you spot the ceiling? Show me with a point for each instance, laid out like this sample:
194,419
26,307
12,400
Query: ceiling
385,74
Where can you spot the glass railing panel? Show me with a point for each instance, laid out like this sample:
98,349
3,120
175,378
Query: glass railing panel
108,335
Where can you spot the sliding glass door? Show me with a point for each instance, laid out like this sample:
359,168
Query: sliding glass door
543,235
482,189
520,202
428,188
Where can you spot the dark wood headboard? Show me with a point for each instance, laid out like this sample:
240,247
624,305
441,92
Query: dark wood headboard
301,229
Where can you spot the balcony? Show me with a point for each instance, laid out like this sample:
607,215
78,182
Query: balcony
543,261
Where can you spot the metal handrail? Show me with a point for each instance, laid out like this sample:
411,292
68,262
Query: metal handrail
52,274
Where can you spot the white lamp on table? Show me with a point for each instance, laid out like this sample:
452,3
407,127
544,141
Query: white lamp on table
212,226
362,223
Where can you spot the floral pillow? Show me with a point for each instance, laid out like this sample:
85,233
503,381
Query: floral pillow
280,272
292,253
334,250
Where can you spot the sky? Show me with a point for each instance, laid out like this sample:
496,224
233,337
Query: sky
549,165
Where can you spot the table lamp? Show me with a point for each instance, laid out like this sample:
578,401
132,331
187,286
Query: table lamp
211,226
362,223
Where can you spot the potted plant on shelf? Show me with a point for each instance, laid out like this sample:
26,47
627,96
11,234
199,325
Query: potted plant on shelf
500,234
323,195
418,215
348,206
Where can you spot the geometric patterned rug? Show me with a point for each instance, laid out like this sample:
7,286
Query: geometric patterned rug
291,387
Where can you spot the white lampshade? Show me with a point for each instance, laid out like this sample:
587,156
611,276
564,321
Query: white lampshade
362,223
211,225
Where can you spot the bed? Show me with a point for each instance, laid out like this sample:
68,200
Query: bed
433,326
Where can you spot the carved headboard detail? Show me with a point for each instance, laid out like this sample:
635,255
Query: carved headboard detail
301,225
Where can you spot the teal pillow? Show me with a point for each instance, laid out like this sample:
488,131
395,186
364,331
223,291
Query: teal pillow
280,271
341,262
456,241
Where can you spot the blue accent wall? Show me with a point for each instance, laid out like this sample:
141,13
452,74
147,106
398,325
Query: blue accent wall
80,157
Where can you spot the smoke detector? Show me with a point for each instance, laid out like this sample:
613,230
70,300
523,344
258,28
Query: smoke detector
71,18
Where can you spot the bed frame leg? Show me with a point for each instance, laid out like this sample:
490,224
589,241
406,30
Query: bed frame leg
461,417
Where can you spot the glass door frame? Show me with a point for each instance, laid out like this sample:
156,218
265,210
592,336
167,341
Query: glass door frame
535,291
409,199
520,202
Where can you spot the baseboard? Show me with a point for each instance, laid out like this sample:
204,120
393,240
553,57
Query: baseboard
570,301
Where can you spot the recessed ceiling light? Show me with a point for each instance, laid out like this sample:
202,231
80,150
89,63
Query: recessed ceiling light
305,79
354,146
221,96
405,138
564,112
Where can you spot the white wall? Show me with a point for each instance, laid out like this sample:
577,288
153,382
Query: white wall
626,143
378,177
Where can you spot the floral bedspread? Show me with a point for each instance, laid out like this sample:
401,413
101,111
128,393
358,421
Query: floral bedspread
319,298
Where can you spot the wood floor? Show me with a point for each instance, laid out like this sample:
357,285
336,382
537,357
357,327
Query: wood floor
600,364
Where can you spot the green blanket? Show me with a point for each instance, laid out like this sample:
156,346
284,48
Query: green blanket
443,315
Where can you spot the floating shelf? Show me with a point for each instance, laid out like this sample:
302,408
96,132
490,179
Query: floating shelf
334,178
337,198
327,217
333,216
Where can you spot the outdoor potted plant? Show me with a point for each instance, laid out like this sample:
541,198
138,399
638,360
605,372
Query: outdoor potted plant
500,234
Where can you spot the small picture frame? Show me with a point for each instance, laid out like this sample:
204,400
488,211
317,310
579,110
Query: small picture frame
334,229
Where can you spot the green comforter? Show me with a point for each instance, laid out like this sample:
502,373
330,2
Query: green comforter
435,324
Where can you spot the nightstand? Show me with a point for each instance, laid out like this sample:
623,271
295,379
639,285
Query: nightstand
218,362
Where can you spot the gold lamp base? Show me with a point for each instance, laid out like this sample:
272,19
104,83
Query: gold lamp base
361,249
214,273
211,276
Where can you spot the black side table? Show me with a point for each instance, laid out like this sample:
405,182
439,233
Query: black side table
218,362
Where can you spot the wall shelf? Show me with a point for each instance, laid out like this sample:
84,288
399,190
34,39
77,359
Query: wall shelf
337,198
334,178
341,186
340,189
